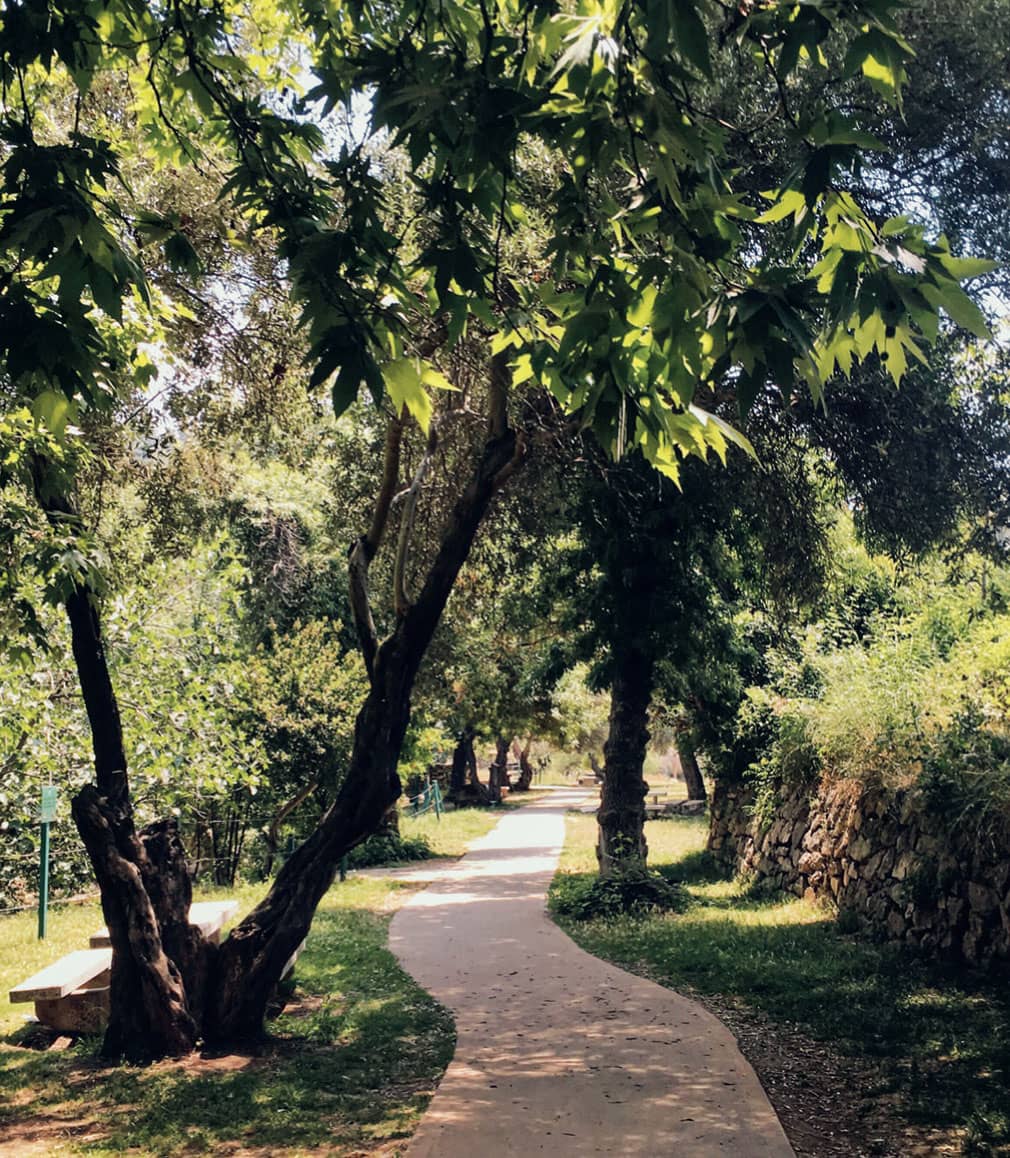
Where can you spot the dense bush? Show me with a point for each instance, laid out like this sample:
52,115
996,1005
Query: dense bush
389,848
630,890
221,729
921,699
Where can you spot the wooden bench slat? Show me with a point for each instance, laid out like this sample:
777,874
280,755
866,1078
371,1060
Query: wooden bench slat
208,916
63,976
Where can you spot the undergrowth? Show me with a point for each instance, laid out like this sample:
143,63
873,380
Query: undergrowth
634,891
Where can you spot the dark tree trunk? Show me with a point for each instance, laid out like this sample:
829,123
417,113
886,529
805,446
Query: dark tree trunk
389,825
141,894
150,1015
250,962
460,764
622,805
525,779
472,771
689,766
498,777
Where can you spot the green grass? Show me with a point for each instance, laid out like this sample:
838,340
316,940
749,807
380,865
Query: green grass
940,1036
350,1073
450,834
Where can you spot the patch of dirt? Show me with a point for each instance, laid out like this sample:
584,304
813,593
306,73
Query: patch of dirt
830,1105
39,1133
304,1005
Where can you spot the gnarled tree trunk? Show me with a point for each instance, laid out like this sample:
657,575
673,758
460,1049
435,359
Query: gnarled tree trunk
689,766
143,877
499,775
251,960
622,804
168,986
525,778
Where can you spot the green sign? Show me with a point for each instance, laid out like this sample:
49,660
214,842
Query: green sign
48,812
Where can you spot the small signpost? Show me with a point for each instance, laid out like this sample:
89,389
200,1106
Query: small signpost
47,814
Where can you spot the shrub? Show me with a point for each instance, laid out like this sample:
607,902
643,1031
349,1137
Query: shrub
635,890
387,849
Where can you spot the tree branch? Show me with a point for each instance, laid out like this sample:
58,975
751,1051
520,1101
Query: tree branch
363,550
401,601
498,393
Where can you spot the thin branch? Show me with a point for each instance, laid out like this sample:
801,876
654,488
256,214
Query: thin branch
363,550
401,601
287,808
498,392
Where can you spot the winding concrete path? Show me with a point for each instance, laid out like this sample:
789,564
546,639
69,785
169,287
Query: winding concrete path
558,1052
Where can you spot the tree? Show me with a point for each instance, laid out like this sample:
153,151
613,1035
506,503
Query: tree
506,115
659,572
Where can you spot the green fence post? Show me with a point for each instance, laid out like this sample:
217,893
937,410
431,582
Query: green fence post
343,868
47,814
437,797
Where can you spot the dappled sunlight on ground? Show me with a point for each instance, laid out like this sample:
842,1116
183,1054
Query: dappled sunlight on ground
556,1049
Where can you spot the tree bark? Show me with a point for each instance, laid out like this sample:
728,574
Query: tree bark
460,763
622,805
464,780
251,960
499,776
143,877
689,766
525,779
472,771
389,825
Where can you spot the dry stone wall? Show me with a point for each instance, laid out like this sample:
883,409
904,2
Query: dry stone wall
878,856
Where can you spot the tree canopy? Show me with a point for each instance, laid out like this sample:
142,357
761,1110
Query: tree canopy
486,228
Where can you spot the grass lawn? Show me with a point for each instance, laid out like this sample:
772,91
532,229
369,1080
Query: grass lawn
938,1039
354,1061
450,834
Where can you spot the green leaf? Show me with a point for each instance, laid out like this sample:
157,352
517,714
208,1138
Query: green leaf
406,389
963,267
691,36
790,203
54,411
958,306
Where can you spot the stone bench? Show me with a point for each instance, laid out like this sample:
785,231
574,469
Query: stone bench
72,994
208,916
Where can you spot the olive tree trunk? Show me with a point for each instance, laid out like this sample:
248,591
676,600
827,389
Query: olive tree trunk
251,960
622,804
689,766
498,777
525,778
143,877
169,987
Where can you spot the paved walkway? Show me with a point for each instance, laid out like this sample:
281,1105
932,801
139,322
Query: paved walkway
558,1052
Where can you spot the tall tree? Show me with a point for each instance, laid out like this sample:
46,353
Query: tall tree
509,113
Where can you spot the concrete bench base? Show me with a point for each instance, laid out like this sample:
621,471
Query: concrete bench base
86,1010
72,994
